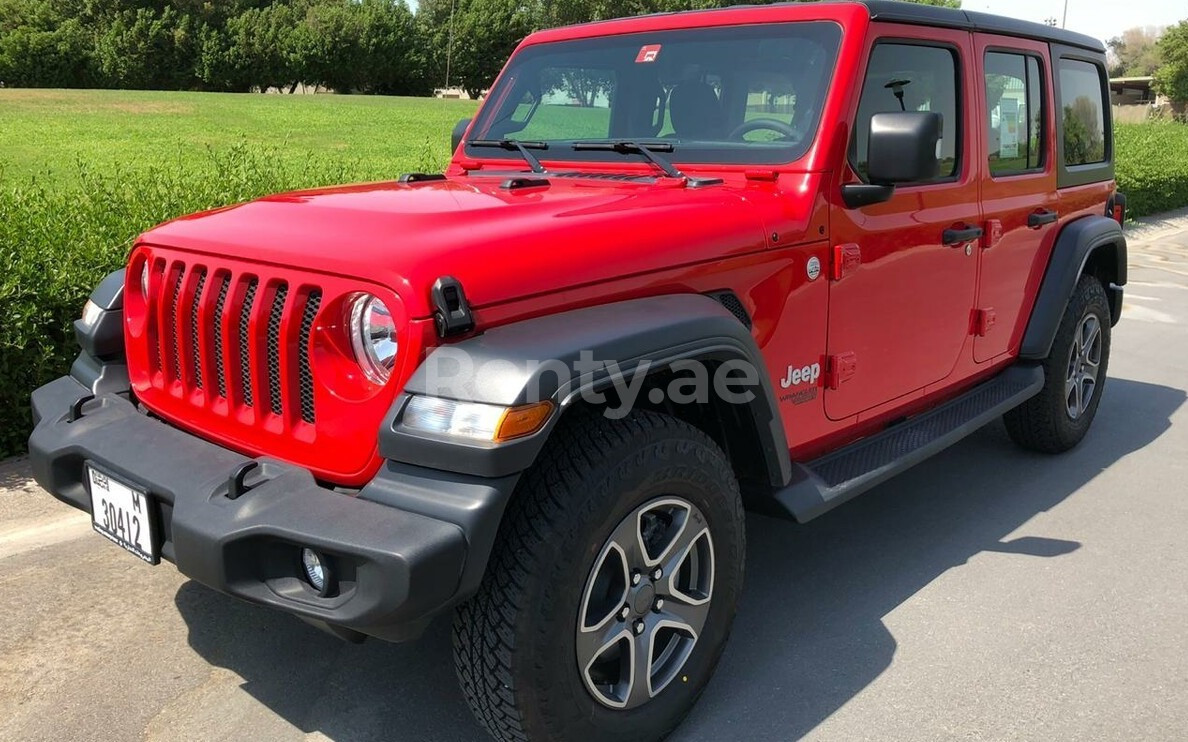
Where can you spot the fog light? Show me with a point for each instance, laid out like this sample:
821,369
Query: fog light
316,571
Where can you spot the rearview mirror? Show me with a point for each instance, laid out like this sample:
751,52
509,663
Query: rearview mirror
459,132
903,147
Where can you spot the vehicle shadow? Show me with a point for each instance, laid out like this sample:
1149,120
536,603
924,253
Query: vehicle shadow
809,634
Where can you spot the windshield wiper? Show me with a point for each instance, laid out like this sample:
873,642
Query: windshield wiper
514,145
626,146
648,149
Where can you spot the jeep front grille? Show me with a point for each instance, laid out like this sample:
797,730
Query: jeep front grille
254,356
214,328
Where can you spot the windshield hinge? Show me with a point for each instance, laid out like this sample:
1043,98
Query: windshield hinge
452,315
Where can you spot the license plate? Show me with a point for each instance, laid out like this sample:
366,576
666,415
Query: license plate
121,512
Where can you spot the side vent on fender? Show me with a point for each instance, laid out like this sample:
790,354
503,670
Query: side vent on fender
733,305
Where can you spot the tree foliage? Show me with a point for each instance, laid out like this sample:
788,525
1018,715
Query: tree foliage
1134,52
1171,79
366,46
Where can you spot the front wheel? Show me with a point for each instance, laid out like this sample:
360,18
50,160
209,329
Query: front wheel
612,587
1058,417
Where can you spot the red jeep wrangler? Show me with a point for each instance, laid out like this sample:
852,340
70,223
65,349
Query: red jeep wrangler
678,262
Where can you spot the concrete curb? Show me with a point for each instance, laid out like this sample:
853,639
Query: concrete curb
1156,226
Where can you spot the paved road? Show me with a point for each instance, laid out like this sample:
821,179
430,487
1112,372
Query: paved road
987,594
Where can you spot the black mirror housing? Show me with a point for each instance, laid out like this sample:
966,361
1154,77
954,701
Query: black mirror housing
459,132
902,147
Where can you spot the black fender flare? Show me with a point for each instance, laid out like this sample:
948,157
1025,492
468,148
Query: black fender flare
100,365
537,359
1075,246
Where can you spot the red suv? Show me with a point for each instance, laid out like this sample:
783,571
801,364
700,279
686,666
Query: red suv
680,262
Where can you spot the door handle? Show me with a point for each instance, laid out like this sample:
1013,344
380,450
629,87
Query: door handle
958,237
1037,219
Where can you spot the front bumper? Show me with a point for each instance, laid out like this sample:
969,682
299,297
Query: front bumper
406,547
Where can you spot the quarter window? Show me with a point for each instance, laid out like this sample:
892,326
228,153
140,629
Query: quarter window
909,77
1014,105
1083,117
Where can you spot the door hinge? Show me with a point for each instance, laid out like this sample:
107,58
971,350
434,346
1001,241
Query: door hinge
846,259
983,320
991,233
840,368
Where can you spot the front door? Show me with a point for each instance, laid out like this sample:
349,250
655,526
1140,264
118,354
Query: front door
899,315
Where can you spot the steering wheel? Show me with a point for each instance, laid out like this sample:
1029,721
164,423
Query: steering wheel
759,124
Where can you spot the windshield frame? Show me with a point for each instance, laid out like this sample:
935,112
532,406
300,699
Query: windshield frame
717,153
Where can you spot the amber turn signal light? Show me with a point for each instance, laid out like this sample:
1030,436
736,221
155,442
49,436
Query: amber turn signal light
518,422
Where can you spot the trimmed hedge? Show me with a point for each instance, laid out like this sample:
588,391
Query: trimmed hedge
1152,166
56,243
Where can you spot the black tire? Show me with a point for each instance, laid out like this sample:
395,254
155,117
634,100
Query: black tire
1045,423
515,649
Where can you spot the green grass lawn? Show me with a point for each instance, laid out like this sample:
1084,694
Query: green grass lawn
48,133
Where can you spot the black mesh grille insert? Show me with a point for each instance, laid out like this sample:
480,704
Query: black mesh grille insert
179,271
607,176
220,305
245,367
274,342
734,305
195,330
157,279
306,375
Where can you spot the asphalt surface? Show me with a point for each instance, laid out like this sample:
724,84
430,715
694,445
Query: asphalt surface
988,594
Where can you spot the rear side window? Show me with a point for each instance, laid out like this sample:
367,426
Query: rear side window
1015,113
909,77
1083,114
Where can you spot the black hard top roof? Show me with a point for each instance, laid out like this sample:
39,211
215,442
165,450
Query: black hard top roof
896,11
930,15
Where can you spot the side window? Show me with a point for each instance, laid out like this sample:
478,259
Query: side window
910,77
1014,103
1083,117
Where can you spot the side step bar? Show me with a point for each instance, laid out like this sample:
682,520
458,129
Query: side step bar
821,485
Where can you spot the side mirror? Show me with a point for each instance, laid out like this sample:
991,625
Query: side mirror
459,132
902,149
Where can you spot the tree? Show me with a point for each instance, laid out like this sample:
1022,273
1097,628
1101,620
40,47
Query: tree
150,51
1134,53
253,49
484,34
58,58
1171,79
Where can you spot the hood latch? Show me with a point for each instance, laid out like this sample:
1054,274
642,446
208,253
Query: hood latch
452,315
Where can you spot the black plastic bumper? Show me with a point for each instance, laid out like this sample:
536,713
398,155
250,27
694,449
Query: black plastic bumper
409,545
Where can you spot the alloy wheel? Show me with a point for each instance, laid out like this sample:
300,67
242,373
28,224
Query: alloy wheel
645,603
1084,363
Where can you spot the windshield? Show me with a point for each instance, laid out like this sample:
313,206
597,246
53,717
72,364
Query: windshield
741,94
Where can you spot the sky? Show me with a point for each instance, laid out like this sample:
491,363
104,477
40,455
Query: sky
1099,18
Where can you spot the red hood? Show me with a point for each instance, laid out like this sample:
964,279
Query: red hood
501,244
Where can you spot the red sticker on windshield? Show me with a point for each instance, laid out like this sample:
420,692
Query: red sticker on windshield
648,53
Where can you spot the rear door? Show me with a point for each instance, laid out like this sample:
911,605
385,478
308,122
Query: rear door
899,316
1019,196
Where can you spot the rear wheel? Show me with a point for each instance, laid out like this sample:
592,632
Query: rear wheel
612,587
1058,417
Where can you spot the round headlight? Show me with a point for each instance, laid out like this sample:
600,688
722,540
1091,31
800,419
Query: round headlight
144,279
373,337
